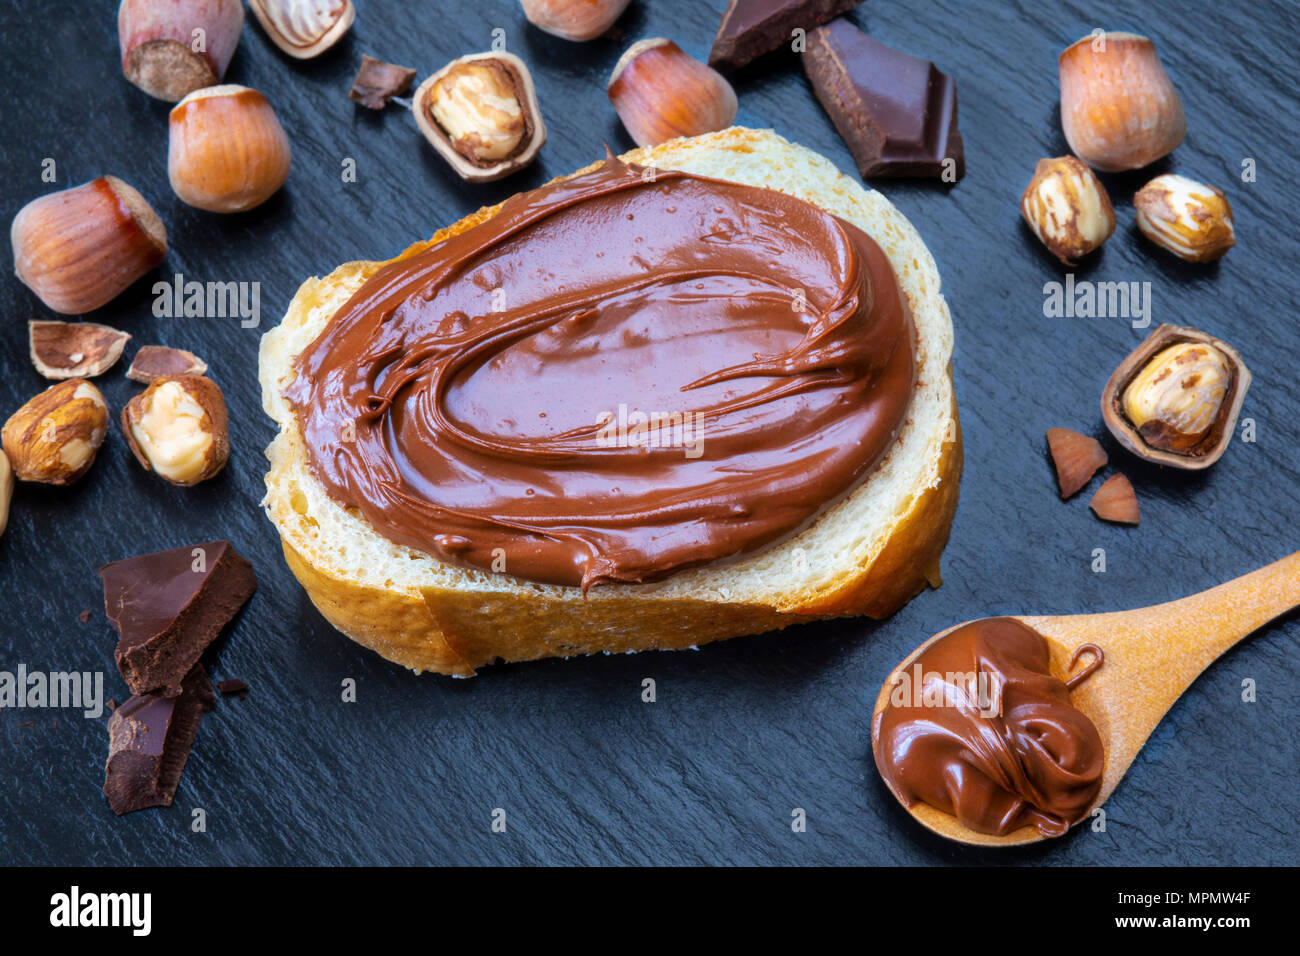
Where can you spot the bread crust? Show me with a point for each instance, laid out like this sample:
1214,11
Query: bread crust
454,627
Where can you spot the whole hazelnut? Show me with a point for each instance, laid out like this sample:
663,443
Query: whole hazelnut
80,248
1119,108
54,438
1189,219
227,151
660,92
173,47
178,428
1067,207
574,19
1176,398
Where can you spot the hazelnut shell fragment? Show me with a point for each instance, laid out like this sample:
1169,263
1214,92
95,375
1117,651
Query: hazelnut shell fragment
1076,458
525,95
378,82
1215,440
178,428
74,349
1116,501
54,438
6,491
304,28
155,361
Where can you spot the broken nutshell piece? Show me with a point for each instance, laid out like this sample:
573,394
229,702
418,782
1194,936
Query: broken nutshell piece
158,361
1116,501
149,743
233,685
750,28
74,349
378,82
660,92
897,113
1175,399
1067,207
304,28
170,606
1189,219
6,491
1076,458
178,428
480,113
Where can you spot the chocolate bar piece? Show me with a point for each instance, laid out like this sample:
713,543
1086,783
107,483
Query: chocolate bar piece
897,113
149,741
751,28
168,607
378,82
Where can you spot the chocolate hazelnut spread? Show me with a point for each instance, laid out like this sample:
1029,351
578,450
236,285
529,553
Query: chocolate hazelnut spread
616,377
979,728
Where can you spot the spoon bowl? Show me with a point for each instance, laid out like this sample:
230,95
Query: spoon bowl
1152,655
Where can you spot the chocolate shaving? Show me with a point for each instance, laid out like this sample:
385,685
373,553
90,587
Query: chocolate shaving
233,685
378,82
158,361
74,349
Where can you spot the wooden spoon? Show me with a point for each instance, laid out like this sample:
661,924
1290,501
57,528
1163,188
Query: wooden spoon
1152,655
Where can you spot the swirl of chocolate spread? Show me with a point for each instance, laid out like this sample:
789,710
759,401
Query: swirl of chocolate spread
981,729
616,377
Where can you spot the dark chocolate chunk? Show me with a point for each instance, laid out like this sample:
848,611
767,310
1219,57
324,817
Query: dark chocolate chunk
149,741
155,361
751,28
378,82
233,685
168,607
897,113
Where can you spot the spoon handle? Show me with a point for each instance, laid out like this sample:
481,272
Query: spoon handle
1154,653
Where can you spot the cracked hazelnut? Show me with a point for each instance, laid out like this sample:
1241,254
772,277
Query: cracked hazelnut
1190,219
480,113
1119,108
178,429
54,438
1067,207
1175,399
660,93
80,248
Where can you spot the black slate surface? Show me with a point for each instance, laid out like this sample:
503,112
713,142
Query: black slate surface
745,731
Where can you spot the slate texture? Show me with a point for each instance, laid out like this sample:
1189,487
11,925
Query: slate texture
743,732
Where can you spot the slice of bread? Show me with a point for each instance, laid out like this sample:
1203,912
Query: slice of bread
869,554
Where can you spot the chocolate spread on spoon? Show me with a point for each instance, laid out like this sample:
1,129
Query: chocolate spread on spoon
979,728
614,378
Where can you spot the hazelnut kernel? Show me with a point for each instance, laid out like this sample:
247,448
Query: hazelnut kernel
54,438
476,104
1176,398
